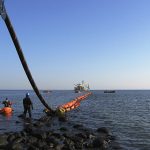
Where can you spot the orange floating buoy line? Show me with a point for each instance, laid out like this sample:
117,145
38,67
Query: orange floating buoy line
73,104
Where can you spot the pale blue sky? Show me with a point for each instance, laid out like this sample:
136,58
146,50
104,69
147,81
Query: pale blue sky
103,42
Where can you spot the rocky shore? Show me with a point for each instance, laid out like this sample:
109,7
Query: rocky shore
53,133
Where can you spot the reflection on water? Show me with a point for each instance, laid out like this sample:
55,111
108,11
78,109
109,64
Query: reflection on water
7,116
5,120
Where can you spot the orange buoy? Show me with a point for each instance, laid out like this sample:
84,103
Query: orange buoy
6,110
74,103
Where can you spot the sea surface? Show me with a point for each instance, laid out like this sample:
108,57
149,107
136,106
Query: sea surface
125,113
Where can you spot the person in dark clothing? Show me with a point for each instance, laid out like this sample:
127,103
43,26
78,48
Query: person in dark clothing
27,105
7,103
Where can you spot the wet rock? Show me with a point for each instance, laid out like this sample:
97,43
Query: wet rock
52,140
112,138
51,145
69,144
39,134
46,147
44,119
40,143
79,146
63,129
11,138
81,135
90,135
28,129
103,130
18,140
28,120
37,124
76,139
48,124
88,144
66,147
78,142
63,119
98,143
105,144
59,147
77,126
3,140
31,140
32,147
15,146
48,133
3,147
67,135
23,133
60,136
18,134
57,135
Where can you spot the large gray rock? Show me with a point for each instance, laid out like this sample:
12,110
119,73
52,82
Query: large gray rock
103,130
3,140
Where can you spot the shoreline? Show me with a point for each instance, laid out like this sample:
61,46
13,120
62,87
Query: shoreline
53,133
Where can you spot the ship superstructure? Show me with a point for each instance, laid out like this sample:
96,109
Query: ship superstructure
81,87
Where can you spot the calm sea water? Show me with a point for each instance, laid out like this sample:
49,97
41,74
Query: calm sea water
125,113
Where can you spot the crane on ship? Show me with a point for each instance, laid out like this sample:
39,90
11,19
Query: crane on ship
13,35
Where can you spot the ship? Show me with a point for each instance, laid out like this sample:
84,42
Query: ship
80,87
46,91
109,91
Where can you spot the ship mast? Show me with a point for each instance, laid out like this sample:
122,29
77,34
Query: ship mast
12,33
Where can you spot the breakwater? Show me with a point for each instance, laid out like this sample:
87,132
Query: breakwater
50,133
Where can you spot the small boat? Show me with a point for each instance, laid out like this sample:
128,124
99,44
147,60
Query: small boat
47,91
109,91
6,110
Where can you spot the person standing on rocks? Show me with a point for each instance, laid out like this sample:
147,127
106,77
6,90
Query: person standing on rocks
27,104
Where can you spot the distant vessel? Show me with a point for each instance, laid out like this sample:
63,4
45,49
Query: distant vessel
81,87
47,91
109,91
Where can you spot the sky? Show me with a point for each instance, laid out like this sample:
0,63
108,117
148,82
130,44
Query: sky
106,43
